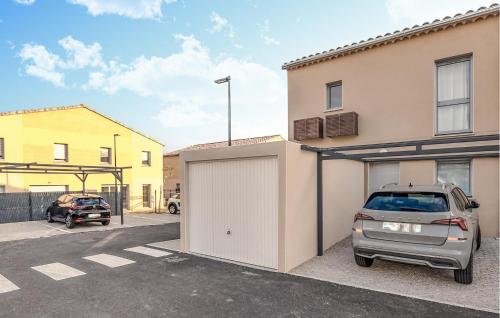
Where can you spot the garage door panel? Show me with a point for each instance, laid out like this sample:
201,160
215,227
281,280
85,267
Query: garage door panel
244,201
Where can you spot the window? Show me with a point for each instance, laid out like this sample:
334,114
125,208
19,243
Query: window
457,172
146,158
2,189
2,153
105,155
146,195
408,202
453,96
334,93
60,152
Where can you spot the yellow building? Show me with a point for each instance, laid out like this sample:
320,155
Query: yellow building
78,135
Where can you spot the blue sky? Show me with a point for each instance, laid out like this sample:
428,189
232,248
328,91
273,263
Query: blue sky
151,63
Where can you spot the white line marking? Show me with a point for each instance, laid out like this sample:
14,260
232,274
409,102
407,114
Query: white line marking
109,260
56,228
6,285
148,251
142,217
58,271
173,245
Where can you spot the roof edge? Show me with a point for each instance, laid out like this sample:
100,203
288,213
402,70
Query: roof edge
389,38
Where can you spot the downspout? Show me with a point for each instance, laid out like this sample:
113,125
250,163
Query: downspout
319,201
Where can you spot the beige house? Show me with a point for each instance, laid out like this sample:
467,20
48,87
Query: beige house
171,173
418,105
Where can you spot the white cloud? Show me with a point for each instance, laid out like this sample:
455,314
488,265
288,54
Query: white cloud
220,24
264,33
42,64
183,83
25,2
419,11
135,9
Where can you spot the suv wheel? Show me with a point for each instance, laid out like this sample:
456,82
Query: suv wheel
105,223
172,209
70,223
49,217
464,276
478,243
363,261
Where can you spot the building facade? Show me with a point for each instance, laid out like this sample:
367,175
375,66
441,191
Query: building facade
433,81
78,135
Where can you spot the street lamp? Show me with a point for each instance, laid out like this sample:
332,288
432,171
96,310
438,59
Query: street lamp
228,81
116,181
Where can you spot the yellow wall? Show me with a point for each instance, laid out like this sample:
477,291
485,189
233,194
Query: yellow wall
30,137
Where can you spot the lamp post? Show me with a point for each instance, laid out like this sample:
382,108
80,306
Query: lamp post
116,182
228,81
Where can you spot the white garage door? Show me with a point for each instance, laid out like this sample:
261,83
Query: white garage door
233,210
382,174
48,188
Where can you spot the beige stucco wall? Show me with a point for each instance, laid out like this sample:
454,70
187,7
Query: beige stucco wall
300,218
392,88
297,235
343,196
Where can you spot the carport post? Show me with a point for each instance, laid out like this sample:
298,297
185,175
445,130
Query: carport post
121,196
319,201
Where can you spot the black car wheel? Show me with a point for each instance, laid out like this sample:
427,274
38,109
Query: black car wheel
464,276
172,209
478,243
70,223
49,217
105,223
363,261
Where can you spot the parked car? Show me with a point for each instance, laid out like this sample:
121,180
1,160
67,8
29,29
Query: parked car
76,208
174,204
434,226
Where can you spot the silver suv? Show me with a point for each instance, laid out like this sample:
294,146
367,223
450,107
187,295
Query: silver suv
435,226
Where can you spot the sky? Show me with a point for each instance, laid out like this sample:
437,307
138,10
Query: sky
150,64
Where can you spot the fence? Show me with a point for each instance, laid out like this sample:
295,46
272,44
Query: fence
32,206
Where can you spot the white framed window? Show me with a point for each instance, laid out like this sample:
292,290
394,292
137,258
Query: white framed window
334,95
60,152
2,148
146,158
454,112
457,172
146,195
105,155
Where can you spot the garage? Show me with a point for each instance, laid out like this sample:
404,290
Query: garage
228,202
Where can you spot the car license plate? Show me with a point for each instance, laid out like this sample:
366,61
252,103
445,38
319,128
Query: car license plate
402,227
94,215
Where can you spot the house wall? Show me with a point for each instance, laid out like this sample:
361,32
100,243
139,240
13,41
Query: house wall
171,172
392,88
30,137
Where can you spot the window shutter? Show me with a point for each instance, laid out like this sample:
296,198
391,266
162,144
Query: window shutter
60,152
309,128
2,155
345,124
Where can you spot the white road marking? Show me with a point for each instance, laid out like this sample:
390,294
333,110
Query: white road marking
56,228
109,260
148,251
173,245
145,218
58,271
6,285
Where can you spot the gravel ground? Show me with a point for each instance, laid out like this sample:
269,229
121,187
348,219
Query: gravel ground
337,265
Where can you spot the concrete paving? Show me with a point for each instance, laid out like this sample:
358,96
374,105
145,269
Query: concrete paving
38,229
338,266
178,285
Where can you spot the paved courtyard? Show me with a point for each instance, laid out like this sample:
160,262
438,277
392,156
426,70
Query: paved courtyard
38,229
127,273
337,265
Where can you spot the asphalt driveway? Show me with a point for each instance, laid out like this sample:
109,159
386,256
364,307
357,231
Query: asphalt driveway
115,274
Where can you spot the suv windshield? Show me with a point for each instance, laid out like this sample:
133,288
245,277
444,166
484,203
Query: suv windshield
89,201
408,201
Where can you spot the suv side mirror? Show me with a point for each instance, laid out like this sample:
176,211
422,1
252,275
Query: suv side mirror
473,204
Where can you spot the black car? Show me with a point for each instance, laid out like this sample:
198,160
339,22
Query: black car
74,209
